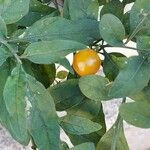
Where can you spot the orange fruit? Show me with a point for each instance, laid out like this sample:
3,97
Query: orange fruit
86,62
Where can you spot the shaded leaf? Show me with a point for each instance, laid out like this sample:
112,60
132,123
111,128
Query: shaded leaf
37,11
66,94
112,64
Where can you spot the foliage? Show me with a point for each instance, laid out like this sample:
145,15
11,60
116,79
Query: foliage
35,38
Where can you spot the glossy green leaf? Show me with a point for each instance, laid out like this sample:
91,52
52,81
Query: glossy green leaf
114,7
112,30
132,78
47,52
114,133
94,87
3,28
112,64
78,9
136,113
140,15
3,55
43,123
84,146
66,94
13,10
84,31
78,125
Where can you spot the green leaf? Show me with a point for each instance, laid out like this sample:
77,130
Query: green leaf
37,11
91,110
62,74
14,92
126,22
13,10
65,63
112,64
136,113
139,11
114,133
43,122
84,31
3,55
143,43
132,78
3,28
142,96
114,7
14,95
87,108
78,9
10,122
94,87
78,125
112,30
47,52
64,97
84,146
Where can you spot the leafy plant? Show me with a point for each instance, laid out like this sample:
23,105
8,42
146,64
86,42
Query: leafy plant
34,41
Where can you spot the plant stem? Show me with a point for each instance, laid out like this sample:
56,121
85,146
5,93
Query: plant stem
12,51
33,144
117,127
